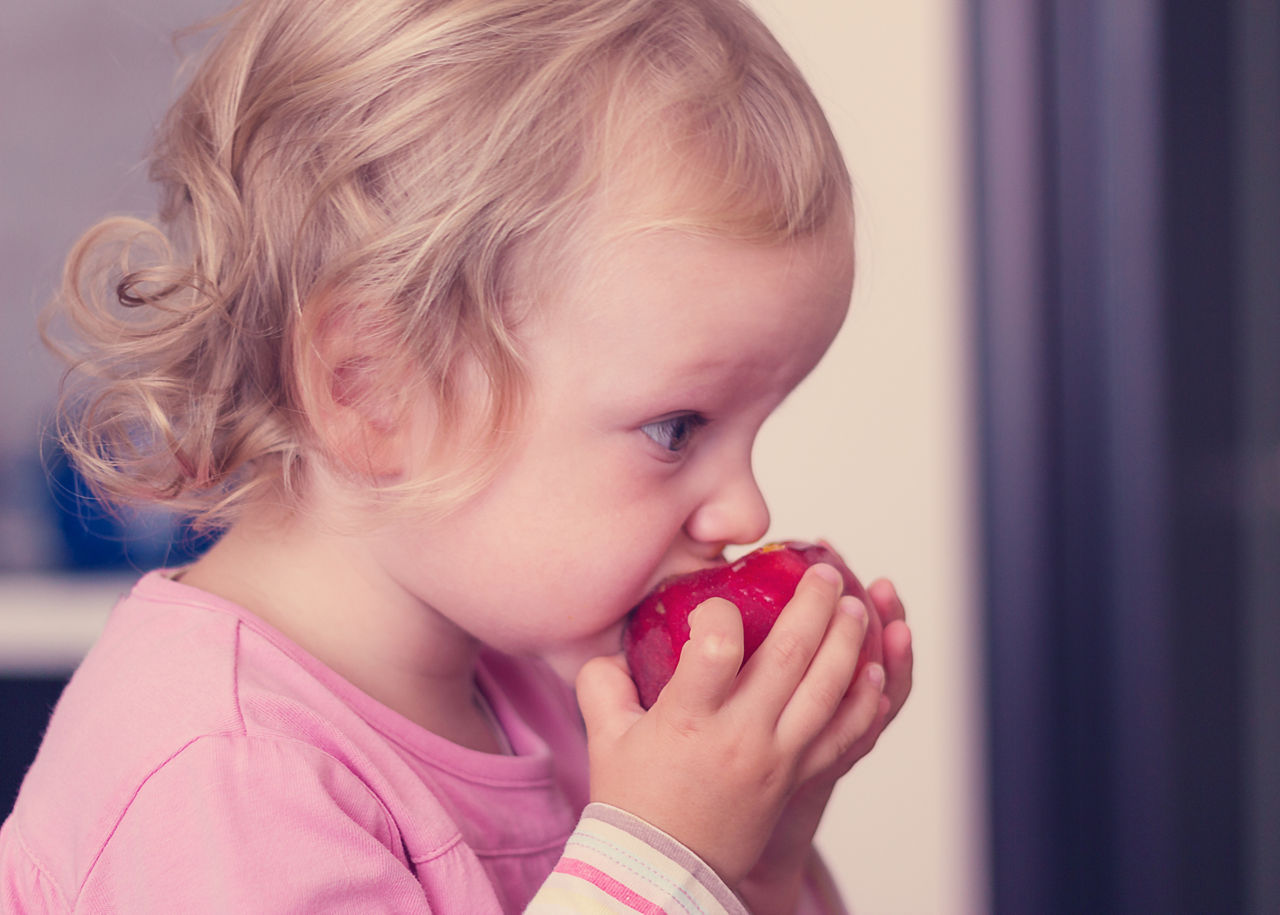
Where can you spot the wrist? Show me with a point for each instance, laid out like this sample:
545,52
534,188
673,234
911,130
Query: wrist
774,893
808,888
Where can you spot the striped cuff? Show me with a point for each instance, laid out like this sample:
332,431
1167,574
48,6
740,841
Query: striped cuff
615,862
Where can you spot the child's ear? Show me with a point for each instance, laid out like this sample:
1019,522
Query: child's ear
355,397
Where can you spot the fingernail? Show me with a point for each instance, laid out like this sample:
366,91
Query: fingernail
854,607
828,574
875,673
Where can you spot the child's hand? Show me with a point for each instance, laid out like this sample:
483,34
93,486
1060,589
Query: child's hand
717,759
774,884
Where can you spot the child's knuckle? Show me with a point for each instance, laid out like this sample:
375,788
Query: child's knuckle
825,694
787,648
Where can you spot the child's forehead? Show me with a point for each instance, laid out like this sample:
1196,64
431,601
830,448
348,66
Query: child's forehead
676,322
676,287
659,192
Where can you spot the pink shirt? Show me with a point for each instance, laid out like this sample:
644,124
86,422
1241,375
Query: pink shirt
200,761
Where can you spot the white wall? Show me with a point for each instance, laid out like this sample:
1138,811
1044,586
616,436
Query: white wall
875,450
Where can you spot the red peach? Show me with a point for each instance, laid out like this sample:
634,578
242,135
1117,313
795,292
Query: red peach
759,584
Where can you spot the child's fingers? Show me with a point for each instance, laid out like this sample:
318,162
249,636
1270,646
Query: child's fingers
864,744
888,604
709,661
830,673
779,664
607,695
853,723
899,663
896,643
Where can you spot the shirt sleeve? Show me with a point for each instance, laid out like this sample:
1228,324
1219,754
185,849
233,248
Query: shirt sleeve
615,862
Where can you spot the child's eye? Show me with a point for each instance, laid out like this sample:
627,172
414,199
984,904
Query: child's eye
675,432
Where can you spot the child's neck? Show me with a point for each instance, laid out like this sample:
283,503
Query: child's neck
322,591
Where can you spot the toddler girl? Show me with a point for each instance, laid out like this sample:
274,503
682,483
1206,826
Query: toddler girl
462,321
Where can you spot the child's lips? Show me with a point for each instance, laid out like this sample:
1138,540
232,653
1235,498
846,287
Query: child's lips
683,568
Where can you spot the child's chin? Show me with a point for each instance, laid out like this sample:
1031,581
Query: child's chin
568,660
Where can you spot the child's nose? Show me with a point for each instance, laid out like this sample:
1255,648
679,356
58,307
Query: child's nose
735,512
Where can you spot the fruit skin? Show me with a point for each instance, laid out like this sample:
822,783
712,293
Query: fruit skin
759,584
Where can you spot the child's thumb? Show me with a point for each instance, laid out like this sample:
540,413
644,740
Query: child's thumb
709,661
607,696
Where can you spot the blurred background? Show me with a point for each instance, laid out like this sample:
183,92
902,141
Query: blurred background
1053,417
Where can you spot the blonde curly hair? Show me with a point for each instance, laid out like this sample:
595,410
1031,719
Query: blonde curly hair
434,161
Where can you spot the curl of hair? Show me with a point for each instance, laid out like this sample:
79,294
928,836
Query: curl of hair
437,161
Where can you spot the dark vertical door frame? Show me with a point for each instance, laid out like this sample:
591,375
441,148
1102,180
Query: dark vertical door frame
1069,287
1257,39
1127,195
1015,498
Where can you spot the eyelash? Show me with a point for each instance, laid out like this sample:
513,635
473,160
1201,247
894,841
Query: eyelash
674,433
